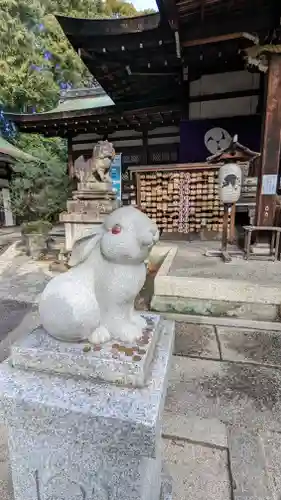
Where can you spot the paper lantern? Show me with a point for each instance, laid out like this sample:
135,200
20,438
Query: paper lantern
230,180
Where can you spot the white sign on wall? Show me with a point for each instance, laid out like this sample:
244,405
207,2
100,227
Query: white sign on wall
269,184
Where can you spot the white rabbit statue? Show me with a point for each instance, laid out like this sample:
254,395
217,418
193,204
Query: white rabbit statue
94,300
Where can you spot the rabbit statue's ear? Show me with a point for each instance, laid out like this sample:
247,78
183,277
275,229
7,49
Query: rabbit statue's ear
82,248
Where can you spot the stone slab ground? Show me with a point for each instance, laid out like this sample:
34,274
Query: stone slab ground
222,421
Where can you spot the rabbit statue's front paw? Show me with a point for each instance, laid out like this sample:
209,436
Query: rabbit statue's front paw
138,320
130,332
100,335
127,331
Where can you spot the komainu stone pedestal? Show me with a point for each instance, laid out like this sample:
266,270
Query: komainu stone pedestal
76,437
86,211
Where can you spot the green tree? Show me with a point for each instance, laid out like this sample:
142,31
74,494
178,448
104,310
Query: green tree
35,56
36,61
119,8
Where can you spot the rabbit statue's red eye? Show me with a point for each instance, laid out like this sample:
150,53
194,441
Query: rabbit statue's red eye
116,229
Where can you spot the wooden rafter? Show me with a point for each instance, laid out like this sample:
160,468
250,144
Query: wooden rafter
222,21
202,9
216,39
277,13
168,11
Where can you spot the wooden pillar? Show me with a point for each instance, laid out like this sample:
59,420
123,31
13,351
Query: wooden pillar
138,190
145,146
70,161
232,224
267,182
185,96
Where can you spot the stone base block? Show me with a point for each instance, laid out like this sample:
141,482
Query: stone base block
125,364
77,471
82,218
166,487
93,207
98,187
89,195
76,230
74,439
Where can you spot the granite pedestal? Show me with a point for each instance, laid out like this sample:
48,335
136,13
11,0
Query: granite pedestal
78,437
86,211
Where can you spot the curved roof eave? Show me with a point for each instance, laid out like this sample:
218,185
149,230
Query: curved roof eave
108,27
55,115
11,151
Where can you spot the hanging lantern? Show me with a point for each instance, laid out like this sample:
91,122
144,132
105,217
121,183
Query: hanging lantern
230,180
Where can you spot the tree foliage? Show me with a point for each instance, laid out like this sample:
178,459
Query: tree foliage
36,61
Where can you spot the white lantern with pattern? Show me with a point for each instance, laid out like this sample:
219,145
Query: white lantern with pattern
230,180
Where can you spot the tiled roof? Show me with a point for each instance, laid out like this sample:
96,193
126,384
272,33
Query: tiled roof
9,150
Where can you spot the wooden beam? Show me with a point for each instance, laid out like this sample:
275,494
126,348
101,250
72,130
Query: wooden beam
217,39
225,95
174,166
231,238
135,73
125,109
261,101
220,25
185,96
145,146
277,13
271,143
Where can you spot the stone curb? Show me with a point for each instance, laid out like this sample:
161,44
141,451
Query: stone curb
232,322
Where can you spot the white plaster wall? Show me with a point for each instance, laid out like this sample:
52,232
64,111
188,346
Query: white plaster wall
240,106
164,130
86,137
219,84
224,82
164,140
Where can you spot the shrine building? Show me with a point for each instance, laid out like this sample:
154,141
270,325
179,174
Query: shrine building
173,88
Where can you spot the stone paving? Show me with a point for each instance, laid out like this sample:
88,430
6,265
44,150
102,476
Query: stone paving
190,261
222,421
225,395
21,282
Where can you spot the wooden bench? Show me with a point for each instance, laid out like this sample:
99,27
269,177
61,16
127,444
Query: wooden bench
274,245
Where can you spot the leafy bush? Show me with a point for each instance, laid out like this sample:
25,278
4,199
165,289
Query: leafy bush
36,59
40,226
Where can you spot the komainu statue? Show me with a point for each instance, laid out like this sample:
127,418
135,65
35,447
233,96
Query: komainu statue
96,169
94,300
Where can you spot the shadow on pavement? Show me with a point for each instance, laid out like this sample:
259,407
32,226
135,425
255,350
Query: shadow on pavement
12,313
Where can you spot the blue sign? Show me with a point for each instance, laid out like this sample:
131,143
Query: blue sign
115,174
